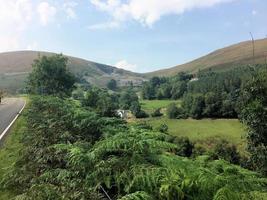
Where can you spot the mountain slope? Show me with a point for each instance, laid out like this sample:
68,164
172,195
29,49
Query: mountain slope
222,59
15,66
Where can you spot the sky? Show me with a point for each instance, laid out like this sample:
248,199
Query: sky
137,35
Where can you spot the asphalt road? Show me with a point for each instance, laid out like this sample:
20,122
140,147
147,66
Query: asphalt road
9,108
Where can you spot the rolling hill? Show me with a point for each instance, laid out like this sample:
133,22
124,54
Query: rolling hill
15,66
222,59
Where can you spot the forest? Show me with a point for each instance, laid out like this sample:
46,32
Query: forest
76,147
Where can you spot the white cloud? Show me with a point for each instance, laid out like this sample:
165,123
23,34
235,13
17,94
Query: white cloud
123,64
102,26
15,13
46,12
254,12
15,17
148,12
68,7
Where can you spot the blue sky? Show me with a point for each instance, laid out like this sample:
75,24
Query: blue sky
139,35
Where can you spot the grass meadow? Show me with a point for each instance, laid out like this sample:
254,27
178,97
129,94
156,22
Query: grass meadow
197,130
151,105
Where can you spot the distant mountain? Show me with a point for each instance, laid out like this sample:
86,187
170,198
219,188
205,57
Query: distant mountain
222,59
15,66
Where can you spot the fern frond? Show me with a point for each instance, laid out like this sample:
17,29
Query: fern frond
140,195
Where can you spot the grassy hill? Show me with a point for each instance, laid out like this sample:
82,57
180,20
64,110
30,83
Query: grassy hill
222,59
15,66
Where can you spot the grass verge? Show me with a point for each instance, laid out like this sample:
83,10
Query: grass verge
10,152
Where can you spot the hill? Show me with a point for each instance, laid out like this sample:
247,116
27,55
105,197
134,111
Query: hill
222,59
15,66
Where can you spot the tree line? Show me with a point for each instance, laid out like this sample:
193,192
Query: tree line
207,94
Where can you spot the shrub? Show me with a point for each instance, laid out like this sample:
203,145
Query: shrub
163,128
143,125
227,151
141,114
78,94
156,113
172,111
199,149
184,146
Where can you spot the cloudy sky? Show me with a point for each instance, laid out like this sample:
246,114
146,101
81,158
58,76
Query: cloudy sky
139,35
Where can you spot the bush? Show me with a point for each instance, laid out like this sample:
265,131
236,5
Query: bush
144,125
78,94
227,151
141,114
181,114
156,113
172,111
184,146
163,128
199,149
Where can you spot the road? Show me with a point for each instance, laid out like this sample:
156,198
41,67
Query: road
9,108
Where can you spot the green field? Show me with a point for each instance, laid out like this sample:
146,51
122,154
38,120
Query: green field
230,129
9,153
204,130
151,105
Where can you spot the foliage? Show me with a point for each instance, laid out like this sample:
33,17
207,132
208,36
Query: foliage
78,94
224,150
254,115
141,114
72,153
184,146
163,128
166,88
112,84
172,111
157,113
50,76
101,101
127,98
209,94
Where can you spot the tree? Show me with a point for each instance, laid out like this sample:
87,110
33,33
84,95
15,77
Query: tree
101,101
112,84
197,107
50,76
91,97
127,98
148,91
213,104
254,115
172,111
178,89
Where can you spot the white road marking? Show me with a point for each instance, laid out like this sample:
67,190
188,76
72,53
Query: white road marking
13,121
